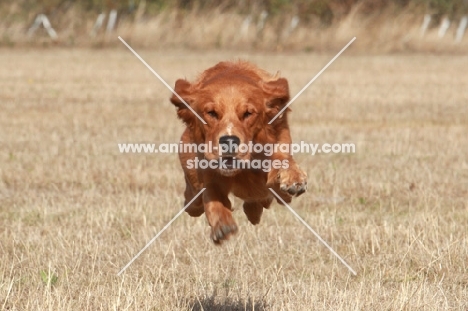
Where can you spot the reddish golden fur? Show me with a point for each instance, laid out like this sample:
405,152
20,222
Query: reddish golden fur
235,99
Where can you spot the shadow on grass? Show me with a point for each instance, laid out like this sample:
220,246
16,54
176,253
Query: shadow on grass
227,304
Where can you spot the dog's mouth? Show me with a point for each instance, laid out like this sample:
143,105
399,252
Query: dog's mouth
228,166
228,162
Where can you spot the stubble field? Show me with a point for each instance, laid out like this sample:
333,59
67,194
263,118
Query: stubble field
74,211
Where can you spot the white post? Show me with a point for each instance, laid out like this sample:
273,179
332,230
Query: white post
294,23
444,26
425,24
42,19
261,21
246,25
48,27
36,24
111,21
98,24
461,29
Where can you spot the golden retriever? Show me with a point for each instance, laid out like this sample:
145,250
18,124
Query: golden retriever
237,100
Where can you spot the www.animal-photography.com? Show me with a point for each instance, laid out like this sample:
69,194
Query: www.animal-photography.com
233,155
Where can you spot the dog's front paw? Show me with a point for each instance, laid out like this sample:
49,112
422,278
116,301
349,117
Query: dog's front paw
292,181
222,226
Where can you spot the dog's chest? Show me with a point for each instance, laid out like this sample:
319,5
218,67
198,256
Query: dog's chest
250,187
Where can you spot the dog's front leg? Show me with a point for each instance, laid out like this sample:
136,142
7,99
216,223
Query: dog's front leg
218,212
288,182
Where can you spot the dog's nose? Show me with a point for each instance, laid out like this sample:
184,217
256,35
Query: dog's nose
229,144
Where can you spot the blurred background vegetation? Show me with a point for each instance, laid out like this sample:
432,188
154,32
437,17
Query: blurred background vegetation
327,10
73,20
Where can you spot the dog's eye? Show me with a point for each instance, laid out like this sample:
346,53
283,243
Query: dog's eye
247,114
213,114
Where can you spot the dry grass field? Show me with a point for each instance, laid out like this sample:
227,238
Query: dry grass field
74,211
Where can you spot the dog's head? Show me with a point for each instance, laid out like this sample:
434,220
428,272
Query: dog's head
236,100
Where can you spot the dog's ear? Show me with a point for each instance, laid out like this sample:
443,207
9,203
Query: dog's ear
184,91
276,95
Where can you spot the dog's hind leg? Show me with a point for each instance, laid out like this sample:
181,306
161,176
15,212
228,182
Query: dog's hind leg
254,210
